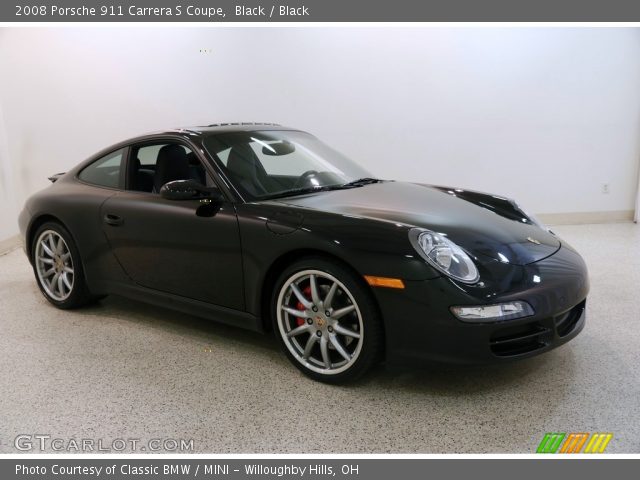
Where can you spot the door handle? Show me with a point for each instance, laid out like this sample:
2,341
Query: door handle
114,220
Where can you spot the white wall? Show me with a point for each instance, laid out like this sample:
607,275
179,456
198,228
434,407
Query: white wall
543,115
8,207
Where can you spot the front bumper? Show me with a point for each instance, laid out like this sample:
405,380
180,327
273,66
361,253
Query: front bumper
420,328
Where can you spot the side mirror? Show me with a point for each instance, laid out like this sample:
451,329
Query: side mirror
189,190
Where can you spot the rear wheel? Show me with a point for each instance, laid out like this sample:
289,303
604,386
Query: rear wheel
57,267
326,321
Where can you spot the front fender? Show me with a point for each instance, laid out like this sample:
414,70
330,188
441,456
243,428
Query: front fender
370,247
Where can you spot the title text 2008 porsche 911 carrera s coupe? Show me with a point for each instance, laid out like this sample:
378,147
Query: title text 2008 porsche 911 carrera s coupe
265,227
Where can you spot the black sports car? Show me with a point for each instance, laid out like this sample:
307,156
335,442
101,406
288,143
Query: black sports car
265,227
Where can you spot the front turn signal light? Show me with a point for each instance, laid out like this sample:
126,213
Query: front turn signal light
384,282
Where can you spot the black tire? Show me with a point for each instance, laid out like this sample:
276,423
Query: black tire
79,294
365,316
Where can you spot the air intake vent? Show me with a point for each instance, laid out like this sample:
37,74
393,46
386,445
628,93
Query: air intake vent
515,341
566,322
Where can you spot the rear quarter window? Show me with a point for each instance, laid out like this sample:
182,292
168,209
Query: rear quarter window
104,172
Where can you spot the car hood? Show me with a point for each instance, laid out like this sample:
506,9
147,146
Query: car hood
479,223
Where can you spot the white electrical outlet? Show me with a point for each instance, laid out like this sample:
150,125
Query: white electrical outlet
605,188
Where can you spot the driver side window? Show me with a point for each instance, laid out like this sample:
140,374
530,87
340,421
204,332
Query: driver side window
153,165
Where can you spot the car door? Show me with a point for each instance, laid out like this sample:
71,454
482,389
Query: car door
186,247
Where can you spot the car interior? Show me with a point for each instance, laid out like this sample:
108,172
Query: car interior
245,170
276,170
156,164
172,162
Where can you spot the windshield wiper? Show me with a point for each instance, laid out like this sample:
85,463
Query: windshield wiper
360,182
299,191
322,188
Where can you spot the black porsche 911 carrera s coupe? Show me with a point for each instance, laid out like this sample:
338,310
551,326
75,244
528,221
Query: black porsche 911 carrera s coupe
265,227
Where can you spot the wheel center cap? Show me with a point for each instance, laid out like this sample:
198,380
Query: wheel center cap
320,321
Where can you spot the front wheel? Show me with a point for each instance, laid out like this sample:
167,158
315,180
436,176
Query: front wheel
326,321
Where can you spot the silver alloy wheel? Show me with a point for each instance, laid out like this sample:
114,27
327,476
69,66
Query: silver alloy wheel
320,322
54,265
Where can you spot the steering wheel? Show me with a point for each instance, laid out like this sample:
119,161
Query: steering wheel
303,177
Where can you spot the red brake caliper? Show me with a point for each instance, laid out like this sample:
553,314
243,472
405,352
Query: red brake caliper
307,293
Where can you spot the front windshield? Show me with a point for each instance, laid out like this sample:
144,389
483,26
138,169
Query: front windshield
277,163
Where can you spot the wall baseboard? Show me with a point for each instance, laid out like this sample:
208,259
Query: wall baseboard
9,244
582,218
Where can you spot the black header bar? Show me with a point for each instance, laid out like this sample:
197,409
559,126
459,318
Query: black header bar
313,469
319,11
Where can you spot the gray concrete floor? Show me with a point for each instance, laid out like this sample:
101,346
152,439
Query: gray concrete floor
122,369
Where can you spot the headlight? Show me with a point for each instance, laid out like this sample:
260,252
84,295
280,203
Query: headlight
444,255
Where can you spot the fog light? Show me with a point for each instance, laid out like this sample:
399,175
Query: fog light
490,313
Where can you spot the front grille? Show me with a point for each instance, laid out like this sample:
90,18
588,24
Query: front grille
513,341
566,322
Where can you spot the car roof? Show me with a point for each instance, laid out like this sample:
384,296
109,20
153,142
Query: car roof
231,127
190,131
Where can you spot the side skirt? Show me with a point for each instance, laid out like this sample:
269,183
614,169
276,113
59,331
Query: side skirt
189,306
